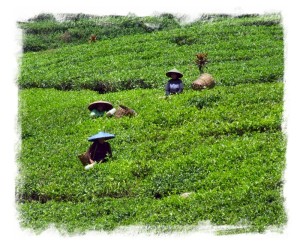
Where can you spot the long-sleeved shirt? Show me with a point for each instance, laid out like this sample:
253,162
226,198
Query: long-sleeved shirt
99,151
174,86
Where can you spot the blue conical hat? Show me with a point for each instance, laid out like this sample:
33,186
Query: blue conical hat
101,134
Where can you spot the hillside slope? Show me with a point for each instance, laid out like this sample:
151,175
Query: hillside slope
224,146
240,51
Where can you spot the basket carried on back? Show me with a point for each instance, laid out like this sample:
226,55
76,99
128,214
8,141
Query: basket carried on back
124,111
204,81
84,158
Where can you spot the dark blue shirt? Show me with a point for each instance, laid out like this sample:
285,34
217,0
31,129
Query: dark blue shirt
174,86
99,151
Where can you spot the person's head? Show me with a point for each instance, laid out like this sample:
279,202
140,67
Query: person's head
174,74
101,140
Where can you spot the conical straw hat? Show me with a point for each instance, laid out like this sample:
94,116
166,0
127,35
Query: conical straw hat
174,70
100,106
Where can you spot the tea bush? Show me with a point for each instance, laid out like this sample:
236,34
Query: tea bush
224,147
230,154
45,29
238,54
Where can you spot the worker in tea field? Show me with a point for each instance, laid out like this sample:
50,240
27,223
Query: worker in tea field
100,149
174,85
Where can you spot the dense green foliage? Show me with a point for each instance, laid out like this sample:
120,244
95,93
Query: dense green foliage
238,54
45,32
224,145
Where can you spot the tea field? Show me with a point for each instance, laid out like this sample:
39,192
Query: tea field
224,146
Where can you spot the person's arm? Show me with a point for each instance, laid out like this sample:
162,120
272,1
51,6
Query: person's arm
181,87
168,89
107,148
109,152
89,153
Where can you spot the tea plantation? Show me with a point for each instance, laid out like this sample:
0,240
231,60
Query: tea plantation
224,146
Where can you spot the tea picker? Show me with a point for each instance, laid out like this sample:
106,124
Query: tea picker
98,152
174,85
98,108
101,108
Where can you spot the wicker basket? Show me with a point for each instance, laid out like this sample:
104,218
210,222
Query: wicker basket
204,81
84,159
124,111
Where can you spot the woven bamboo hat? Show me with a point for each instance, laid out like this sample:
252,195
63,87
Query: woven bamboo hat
174,70
100,106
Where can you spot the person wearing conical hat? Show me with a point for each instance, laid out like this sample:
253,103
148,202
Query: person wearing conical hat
100,149
174,85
